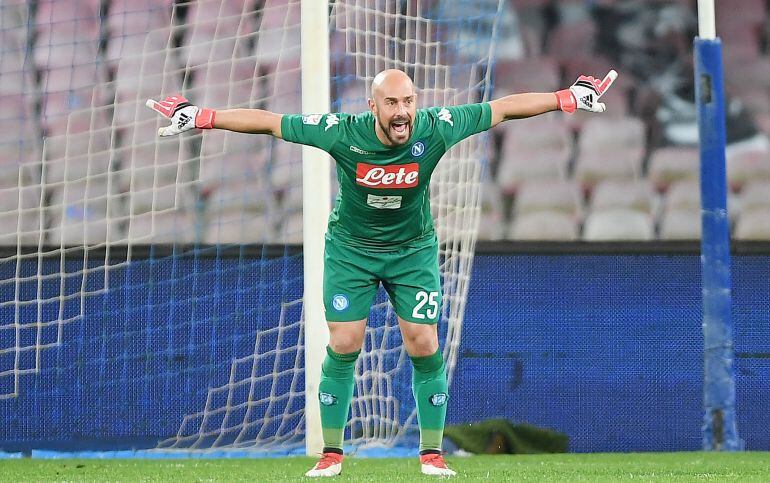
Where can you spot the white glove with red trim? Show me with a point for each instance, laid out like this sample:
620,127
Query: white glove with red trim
184,116
584,94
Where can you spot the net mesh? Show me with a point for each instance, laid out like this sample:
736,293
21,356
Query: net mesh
201,227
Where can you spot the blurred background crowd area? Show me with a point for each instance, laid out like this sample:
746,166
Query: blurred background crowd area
79,162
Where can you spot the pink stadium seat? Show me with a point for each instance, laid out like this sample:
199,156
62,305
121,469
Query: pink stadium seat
745,164
536,148
527,75
353,98
755,195
285,165
14,198
610,148
67,32
631,194
241,227
128,24
158,197
492,224
680,224
290,229
566,39
166,227
544,226
549,195
20,227
279,33
671,164
617,225
254,196
683,194
753,224
283,89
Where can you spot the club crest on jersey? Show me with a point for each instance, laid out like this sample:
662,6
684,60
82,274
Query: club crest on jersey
340,302
388,177
418,149
327,399
438,399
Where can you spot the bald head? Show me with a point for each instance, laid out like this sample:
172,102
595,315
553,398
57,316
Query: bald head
394,105
390,80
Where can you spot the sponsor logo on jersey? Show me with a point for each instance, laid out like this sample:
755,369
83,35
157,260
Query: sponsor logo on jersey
340,302
312,119
384,202
358,150
438,399
446,116
331,120
386,177
418,149
327,399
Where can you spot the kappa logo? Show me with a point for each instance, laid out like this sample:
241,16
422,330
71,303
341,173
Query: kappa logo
358,150
183,120
588,100
418,149
327,399
438,399
388,177
446,116
331,120
312,119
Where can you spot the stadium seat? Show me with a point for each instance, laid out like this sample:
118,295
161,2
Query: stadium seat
352,99
279,33
13,198
151,72
290,229
683,194
283,89
171,226
537,148
618,225
254,196
755,195
67,33
567,38
128,25
746,161
539,74
681,224
161,197
627,194
285,165
492,223
20,227
223,168
549,195
543,226
610,148
238,227
753,224
671,164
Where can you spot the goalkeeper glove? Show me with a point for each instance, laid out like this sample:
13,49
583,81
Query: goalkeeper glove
584,94
184,116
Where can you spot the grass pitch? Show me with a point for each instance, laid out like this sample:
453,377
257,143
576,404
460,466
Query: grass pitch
553,467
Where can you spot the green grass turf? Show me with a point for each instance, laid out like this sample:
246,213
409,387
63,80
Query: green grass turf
553,467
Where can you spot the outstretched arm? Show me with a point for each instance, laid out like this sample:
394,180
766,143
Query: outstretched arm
185,116
583,94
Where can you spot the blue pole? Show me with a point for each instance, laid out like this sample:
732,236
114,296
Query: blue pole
719,425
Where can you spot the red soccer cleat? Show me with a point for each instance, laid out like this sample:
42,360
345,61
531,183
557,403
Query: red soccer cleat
330,464
434,464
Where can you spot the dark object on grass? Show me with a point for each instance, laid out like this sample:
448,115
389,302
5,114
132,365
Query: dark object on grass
499,436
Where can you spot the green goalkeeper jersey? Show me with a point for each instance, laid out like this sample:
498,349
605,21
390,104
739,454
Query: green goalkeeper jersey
383,201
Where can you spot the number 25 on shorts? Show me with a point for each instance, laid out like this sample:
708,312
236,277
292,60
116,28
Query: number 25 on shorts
424,298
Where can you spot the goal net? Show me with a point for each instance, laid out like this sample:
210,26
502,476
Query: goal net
152,288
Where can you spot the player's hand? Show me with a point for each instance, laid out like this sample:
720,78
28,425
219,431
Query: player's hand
585,93
184,116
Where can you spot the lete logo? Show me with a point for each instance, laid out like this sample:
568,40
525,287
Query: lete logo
385,177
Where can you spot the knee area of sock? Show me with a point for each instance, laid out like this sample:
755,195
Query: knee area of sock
339,365
432,364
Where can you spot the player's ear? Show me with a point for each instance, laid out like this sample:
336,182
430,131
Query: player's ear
372,106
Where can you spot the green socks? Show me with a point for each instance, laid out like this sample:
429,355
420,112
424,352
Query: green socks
429,386
335,393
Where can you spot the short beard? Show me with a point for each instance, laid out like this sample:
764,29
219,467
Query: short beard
386,130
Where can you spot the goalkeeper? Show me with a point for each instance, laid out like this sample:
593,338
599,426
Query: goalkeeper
381,230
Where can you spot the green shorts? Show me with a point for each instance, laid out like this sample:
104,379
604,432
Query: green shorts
410,276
